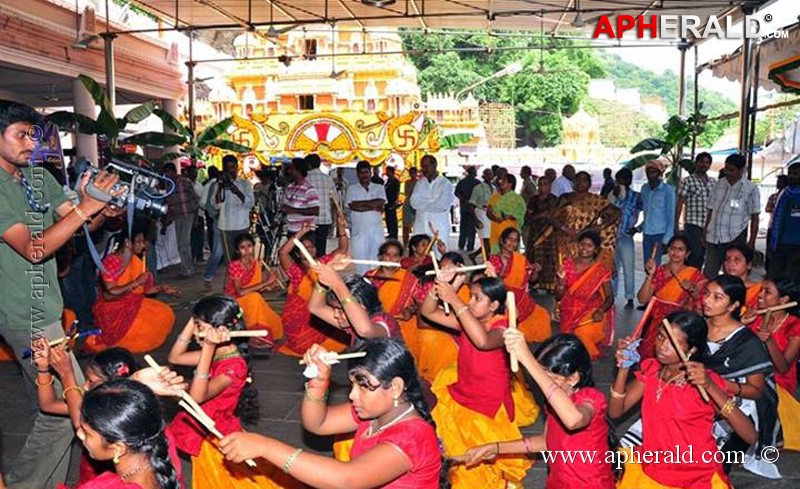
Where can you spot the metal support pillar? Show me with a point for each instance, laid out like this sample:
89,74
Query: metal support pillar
111,83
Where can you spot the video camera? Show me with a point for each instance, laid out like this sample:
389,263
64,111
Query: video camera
143,187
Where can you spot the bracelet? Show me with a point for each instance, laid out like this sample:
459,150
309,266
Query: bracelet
461,310
497,447
289,461
527,444
739,392
44,384
309,397
320,290
81,214
617,395
72,387
727,408
199,375
550,391
347,300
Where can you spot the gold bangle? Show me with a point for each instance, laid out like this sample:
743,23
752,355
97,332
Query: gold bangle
617,395
81,214
72,387
322,400
44,384
347,300
320,290
461,310
289,461
727,408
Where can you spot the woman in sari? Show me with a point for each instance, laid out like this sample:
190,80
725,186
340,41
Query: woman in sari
671,287
780,333
419,252
739,263
506,209
244,283
396,287
580,210
540,244
300,328
126,315
739,356
516,272
584,289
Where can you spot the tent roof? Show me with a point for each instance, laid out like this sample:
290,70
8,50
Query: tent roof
425,14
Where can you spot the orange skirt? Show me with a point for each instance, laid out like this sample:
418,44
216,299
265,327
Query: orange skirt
592,335
150,329
461,428
210,470
789,414
436,349
536,327
258,315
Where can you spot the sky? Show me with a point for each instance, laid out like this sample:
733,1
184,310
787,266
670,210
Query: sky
657,59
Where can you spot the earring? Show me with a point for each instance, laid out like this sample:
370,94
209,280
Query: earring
115,459
396,401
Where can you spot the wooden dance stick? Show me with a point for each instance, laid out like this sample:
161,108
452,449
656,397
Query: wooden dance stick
192,407
305,252
779,307
640,325
249,333
375,263
341,356
653,253
511,305
144,263
682,355
484,255
436,270
432,242
470,268
277,278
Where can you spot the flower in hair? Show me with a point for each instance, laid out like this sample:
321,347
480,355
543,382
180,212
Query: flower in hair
123,370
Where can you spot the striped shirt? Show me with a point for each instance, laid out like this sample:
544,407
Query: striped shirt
325,189
731,206
300,196
695,194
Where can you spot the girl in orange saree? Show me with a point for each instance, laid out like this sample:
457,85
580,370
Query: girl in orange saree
584,289
516,272
672,287
739,263
244,283
396,287
300,328
127,317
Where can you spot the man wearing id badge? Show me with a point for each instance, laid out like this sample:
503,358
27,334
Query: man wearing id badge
734,202
785,242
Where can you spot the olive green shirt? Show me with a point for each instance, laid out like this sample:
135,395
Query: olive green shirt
29,293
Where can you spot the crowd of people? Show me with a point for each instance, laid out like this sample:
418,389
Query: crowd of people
436,397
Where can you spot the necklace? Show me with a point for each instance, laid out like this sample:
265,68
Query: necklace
374,431
673,380
127,475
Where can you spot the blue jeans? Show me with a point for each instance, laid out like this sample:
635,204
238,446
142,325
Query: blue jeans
624,258
648,243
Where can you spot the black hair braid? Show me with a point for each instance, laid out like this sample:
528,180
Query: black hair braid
157,450
247,409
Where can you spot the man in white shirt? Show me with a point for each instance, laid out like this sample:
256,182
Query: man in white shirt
563,184
432,198
233,198
366,201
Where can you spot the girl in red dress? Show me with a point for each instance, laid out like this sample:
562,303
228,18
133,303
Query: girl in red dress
220,385
576,410
477,406
782,339
675,419
417,256
395,443
121,422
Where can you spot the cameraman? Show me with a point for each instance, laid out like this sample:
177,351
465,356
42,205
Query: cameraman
36,219
233,198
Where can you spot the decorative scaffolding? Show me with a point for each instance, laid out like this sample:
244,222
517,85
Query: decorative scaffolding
499,121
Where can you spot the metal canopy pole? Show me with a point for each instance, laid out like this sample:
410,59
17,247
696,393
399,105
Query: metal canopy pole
190,80
111,82
696,90
753,112
682,79
744,102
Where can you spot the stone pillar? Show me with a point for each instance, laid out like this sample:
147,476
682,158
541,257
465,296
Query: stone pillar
171,107
86,144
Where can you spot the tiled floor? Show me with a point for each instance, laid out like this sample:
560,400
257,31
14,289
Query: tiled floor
279,381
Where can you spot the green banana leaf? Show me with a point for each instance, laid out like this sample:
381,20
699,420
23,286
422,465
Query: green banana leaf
152,138
213,132
641,160
228,146
453,140
650,144
97,92
67,121
172,123
140,113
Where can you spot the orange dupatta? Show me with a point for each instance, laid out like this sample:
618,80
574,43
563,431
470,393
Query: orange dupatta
583,297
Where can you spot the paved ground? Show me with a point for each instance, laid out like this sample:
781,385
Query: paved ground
279,381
